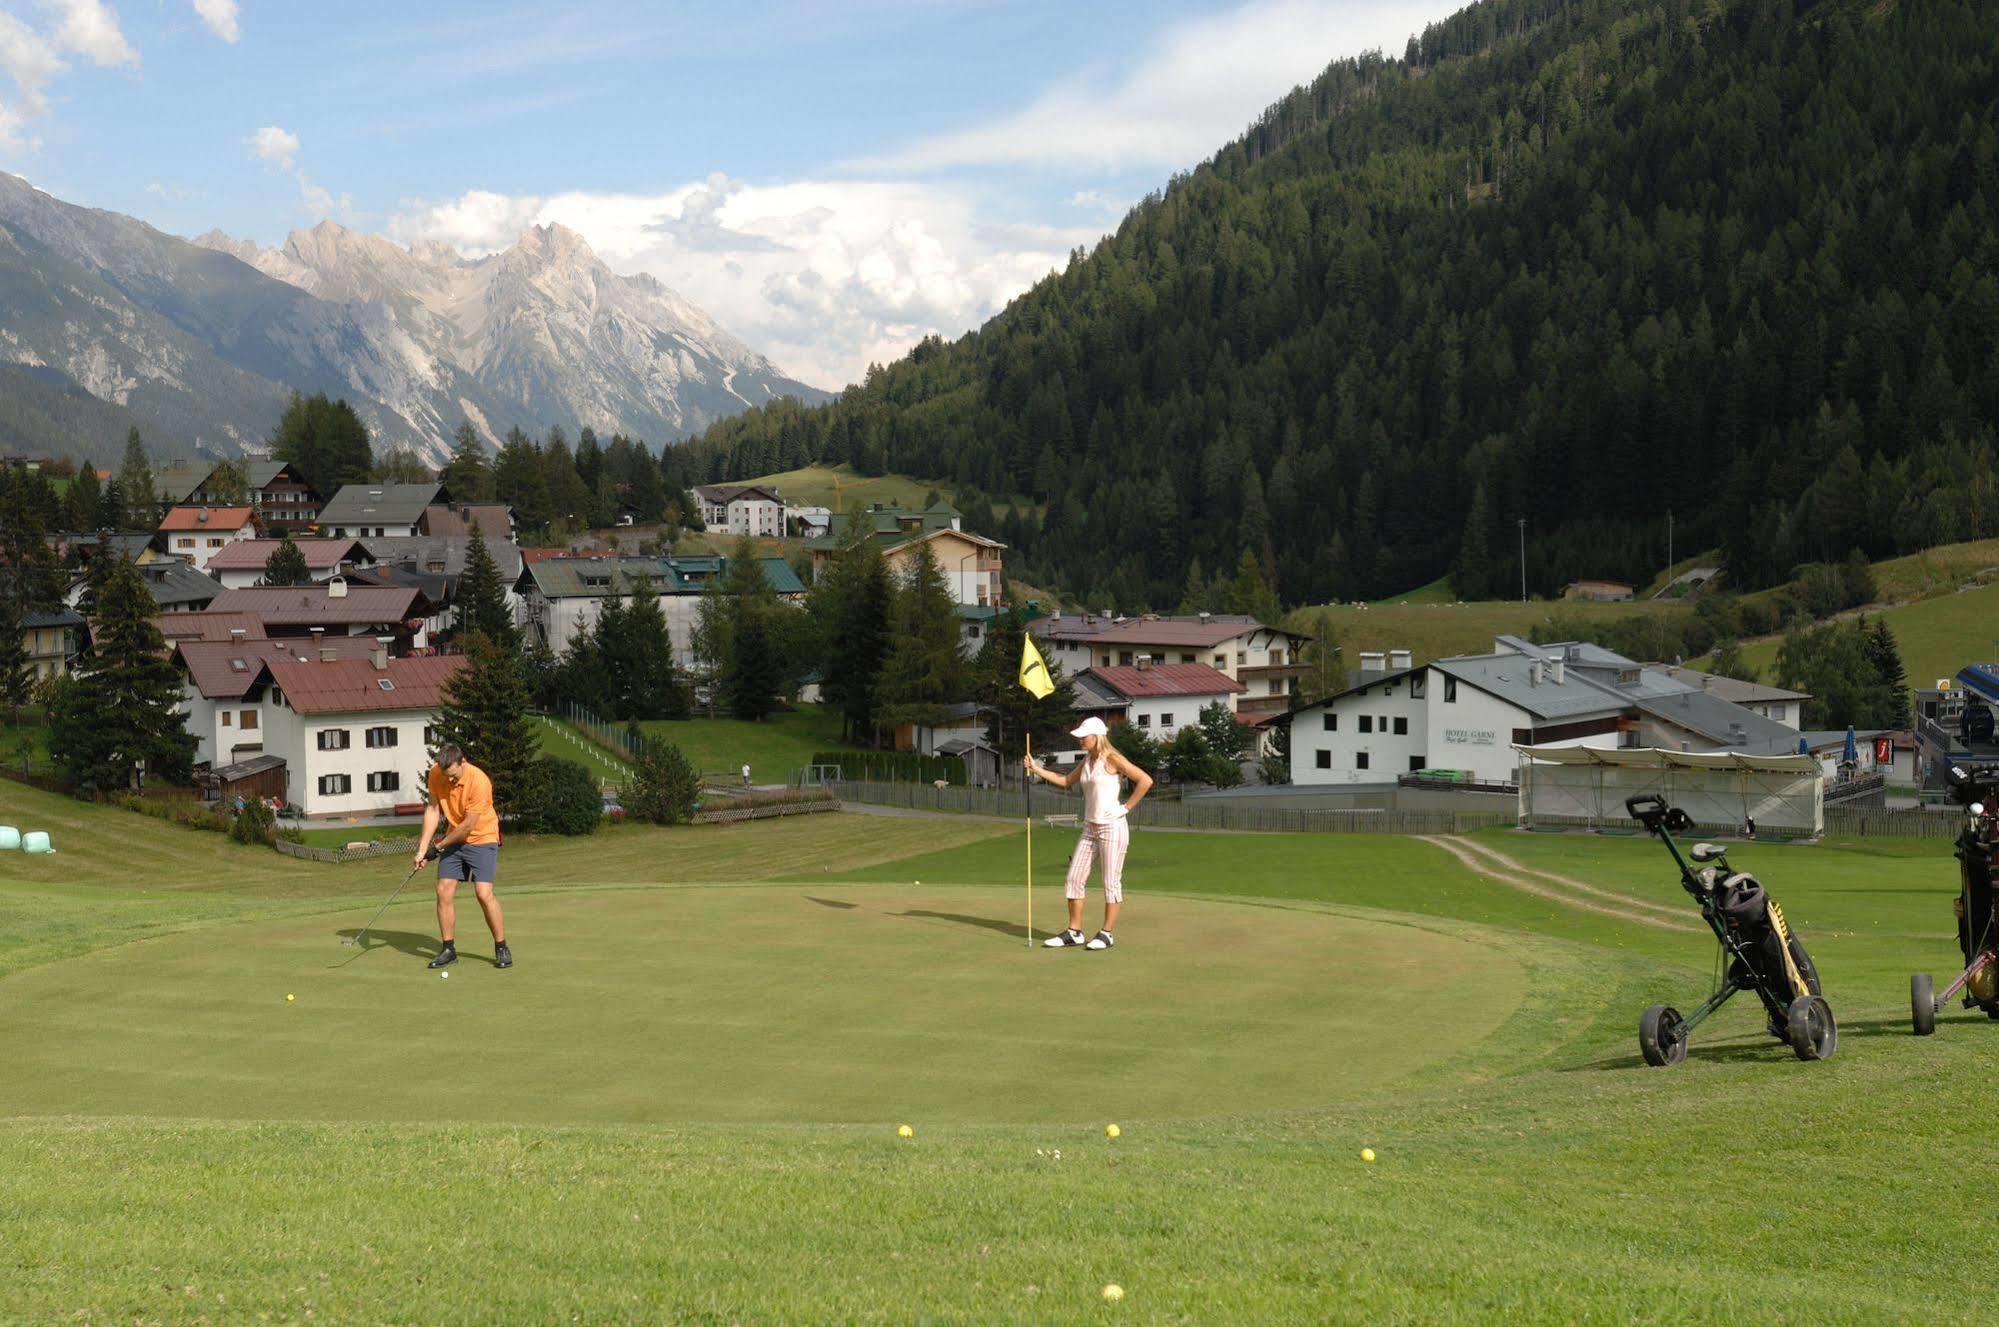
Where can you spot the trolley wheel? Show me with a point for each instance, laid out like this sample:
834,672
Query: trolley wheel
1662,1039
1814,1035
1922,1004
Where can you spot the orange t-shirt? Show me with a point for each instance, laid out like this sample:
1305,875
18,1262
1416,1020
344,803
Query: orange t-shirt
470,800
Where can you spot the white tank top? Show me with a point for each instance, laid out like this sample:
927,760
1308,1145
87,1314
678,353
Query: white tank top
1101,786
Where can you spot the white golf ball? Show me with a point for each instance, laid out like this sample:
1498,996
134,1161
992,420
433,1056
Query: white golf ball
445,975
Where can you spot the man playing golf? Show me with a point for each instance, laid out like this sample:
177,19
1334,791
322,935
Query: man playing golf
461,793
1106,832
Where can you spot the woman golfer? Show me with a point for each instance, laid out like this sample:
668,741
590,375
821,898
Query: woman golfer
1106,832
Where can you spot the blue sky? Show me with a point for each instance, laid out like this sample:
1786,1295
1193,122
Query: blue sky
828,181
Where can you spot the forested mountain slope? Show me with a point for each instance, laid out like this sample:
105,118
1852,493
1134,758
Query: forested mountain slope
1572,262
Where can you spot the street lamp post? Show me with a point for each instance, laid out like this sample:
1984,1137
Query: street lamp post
1522,523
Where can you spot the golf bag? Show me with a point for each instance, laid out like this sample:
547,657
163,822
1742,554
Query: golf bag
1761,952
1975,849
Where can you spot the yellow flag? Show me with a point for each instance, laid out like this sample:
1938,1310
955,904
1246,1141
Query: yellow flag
1033,672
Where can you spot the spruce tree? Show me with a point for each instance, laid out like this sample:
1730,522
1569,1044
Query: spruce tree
17,680
286,564
925,671
136,485
664,787
83,502
855,597
481,603
485,714
1893,677
519,481
118,712
468,474
652,690
754,675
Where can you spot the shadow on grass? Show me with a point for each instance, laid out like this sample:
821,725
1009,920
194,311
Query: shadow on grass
1011,930
830,902
403,942
1746,1050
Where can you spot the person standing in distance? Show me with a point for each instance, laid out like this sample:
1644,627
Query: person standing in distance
461,793
746,774
1106,832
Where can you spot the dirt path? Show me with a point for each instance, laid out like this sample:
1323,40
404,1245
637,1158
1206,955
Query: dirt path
1495,865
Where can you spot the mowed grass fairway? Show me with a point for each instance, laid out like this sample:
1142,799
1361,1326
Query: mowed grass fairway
680,1105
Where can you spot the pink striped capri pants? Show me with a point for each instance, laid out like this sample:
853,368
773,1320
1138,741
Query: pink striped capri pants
1104,845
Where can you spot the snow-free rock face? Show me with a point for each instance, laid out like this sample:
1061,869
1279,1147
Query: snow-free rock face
202,341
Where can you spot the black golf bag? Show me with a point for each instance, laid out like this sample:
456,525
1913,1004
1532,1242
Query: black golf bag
1745,910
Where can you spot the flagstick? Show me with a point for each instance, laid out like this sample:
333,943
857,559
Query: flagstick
1030,840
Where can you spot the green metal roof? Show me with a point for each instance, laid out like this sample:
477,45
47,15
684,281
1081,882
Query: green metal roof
594,577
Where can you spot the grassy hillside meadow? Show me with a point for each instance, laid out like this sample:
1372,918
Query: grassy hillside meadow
630,1126
1434,626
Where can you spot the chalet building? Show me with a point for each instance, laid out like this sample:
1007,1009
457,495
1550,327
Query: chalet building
284,501
337,609
242,563
1262,659
222,684
199,533
971,563
360,510
355,734
1157,699
562,597
740,509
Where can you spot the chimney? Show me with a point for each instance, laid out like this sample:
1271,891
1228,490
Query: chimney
1705,679
1144,662
379,657
1533,672
202,518
236,635
1205,618
317,634
1372,661
1398,660
1556,670
336,588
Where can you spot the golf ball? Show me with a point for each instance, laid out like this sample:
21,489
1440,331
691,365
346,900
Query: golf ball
904,1131
1367,1154
445,975
290,998
1114,1293
1112,1131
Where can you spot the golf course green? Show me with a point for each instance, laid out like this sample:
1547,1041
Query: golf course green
681,1104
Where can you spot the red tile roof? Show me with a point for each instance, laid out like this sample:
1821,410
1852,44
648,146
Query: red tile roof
207,518
225,670
456,522
208,626
252,554
355,686
1167,680
316,605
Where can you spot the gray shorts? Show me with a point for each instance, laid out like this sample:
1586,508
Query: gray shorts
470,861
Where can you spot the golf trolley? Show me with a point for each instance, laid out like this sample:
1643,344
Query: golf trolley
1757,947
1977,846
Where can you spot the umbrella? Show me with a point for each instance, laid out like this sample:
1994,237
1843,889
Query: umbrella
1804,746
1850,755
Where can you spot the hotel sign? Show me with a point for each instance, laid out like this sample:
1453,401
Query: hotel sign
1470,737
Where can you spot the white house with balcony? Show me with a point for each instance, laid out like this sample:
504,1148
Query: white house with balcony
1157,699
1262,659
741,509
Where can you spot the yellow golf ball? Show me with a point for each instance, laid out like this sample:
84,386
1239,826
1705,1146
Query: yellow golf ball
1113,1293
904,1131
1112,1131
1367,1154
290,998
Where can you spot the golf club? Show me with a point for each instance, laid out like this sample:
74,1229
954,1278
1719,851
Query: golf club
431,856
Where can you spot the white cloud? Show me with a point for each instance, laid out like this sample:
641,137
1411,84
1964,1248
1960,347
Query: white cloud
1195,88
89,28
274,146
220,16
824,277
321,203
32,59
175,193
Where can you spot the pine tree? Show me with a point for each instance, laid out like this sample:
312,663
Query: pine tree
481,599
925,670
754,676
468,474
286,564
135,484
520,482
1250,592
117,715
83,502
1194,595
17,680
485,714
1893,677
853,599
652,689
29,575
401,465
325,441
